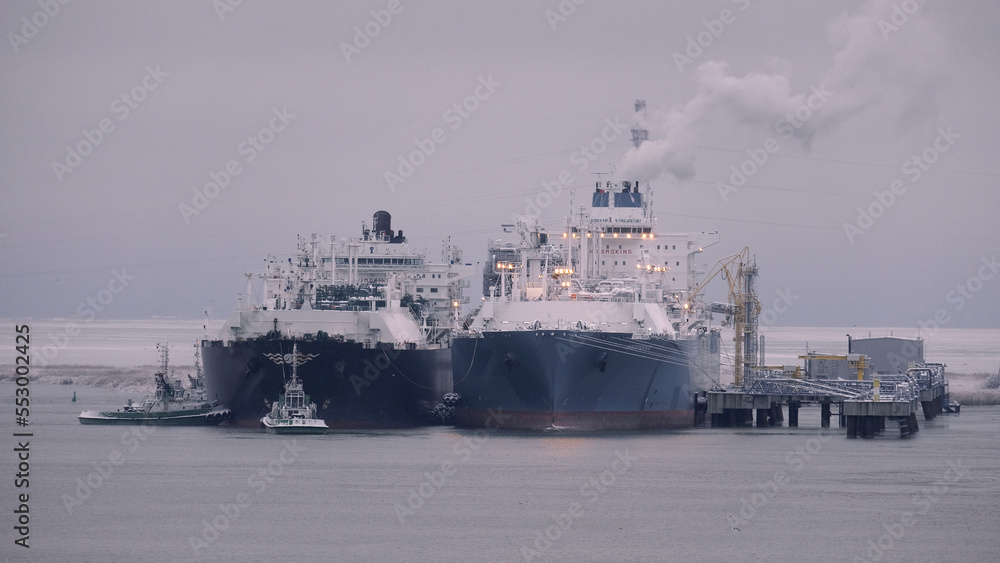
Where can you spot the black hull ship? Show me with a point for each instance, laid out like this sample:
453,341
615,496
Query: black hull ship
371,320
600,327
353,386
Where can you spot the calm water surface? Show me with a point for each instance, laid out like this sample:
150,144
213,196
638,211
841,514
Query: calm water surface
439,494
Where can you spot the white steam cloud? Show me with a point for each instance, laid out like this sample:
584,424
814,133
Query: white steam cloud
887,60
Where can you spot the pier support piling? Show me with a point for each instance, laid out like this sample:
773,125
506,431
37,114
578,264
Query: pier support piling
762,416
904,426
775,416
825,415
793,414
868,427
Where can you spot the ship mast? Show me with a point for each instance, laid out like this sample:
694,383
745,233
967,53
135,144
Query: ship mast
163,358
639,136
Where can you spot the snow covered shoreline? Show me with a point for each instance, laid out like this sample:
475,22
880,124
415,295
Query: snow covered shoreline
136,379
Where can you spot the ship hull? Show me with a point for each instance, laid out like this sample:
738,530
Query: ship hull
198,417
292,427
297,431
581,380
352,386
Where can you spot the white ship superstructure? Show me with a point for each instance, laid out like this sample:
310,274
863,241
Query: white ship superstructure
415,299
607,252
598,326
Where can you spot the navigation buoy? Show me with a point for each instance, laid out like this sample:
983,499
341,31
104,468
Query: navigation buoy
74,396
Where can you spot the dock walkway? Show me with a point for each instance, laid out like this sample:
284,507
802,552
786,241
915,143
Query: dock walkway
864,406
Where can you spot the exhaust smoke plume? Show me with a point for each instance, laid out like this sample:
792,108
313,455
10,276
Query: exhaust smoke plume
887,61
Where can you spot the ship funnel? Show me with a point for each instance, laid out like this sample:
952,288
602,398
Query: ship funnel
382,225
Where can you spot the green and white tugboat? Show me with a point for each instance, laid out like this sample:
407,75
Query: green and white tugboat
293,413
171,404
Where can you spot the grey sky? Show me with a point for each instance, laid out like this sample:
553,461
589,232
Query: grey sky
872,87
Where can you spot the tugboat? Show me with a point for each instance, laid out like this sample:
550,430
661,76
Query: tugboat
171,404
293,413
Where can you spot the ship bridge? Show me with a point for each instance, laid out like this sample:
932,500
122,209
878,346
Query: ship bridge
619,206
616,236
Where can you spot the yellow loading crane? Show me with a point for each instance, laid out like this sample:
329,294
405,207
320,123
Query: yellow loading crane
743,308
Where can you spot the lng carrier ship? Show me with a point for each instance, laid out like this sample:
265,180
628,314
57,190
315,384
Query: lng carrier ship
370,317
599,326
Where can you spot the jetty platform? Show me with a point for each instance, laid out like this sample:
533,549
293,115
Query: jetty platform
864,406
